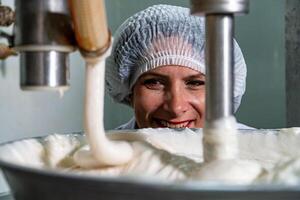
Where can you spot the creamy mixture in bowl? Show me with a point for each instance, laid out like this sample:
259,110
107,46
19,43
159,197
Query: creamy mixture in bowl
171,155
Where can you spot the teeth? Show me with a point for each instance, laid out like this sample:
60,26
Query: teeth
170,125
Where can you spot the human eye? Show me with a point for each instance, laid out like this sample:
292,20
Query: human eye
153,83
195,83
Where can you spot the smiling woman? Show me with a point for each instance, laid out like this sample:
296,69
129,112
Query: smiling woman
169,96
157,66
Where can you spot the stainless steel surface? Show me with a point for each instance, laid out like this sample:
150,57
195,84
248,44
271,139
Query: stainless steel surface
219,70
219,53
45,68
42,27
42,22
219,6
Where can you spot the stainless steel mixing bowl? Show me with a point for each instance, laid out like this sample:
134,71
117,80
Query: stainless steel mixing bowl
29,183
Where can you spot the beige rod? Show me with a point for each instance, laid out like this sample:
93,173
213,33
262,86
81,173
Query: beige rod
90,26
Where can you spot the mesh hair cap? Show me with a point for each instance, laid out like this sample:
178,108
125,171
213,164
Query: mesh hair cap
157,36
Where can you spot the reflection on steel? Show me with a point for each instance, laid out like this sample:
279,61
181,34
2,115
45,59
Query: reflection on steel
222,7
44,70
44,37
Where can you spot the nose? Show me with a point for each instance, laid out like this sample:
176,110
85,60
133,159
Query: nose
176,101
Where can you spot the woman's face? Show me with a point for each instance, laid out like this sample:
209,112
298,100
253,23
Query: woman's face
170,96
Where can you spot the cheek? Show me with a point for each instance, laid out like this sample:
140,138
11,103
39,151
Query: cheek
145,101
202,100
199,102
199,99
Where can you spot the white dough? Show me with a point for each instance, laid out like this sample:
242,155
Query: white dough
220,140
102,152
173,155
221,159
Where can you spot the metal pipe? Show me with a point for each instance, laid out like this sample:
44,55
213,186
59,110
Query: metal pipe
44,37
203,7
219,53
219,56
44,70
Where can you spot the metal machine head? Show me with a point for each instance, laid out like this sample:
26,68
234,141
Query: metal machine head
43,37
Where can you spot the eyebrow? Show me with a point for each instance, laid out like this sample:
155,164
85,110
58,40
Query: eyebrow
198,75
153,74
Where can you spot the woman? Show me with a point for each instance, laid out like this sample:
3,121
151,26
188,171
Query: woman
157,67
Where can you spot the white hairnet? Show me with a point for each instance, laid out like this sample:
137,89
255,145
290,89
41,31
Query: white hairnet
157,36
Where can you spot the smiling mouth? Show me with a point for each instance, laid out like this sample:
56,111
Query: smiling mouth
167,124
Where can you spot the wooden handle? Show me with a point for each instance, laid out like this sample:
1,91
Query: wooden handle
90,24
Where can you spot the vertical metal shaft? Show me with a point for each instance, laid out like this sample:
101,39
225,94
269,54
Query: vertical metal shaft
219,18
219,66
